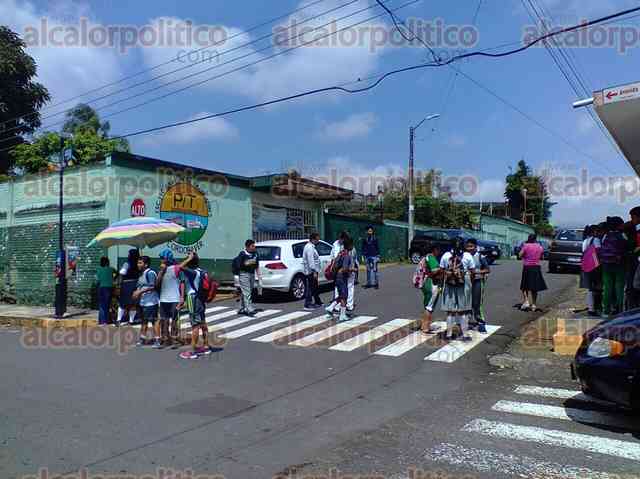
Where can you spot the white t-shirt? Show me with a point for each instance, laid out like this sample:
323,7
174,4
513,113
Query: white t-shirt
468,263
587,242
125,269
335,250
170,287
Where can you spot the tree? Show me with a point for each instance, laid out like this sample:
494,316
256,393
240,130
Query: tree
538,206
89,142
20,97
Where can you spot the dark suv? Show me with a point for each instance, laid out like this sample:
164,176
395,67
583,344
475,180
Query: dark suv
424,240
566,250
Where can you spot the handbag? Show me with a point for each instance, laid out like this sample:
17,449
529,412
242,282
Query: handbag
590,260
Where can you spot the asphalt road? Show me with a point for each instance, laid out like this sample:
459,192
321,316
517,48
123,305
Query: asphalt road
253,409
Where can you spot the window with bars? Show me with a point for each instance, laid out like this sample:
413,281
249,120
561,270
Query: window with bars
299,224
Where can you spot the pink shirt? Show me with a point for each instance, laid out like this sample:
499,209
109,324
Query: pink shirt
531,254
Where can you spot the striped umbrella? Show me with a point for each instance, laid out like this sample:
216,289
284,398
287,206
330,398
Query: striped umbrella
139,232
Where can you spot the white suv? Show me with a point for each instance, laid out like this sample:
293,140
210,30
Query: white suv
281,265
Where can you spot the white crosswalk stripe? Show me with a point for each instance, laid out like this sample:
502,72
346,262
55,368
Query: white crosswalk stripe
455,350
264,325
210,319
556,438
371,335
289,330
185,316
558,394
409,342
243,320
332,331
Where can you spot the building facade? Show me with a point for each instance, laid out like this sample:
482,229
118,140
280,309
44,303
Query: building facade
219,212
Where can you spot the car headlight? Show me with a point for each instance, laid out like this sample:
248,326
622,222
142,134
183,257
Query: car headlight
605,348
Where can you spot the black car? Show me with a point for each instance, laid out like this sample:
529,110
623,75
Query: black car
445,238
607,363
566,250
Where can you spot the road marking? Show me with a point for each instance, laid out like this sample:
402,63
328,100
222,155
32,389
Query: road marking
566,414
212,319
371,335
455,350
289,330
551,437
559,394
409,342
208,313
509,465
332,331
243,320
265,324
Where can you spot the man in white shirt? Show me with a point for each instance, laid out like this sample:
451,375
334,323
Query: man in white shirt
311,266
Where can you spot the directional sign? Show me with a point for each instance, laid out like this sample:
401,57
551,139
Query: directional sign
621,93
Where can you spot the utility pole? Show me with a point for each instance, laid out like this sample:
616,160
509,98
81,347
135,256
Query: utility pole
411,185
61,260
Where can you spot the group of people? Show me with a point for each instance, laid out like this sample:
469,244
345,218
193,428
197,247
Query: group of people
157,299
610,273
458,280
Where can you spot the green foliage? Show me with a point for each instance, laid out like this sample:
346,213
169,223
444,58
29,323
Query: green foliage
20,97
89,142
538,205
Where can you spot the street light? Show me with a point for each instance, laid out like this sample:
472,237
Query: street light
412,131
524,212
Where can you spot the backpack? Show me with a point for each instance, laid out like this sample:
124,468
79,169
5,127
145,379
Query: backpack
612,249
590,259
208,288
420,274
334,266
454,275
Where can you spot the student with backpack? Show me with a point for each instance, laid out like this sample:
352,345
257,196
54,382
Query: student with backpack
198,291
330,271
478,284
591,274
427,279
149,299
458,266
344,267
245,269
612,258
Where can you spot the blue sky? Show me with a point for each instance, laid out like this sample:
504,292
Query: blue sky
358,135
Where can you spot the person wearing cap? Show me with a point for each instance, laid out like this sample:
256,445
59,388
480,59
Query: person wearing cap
171,286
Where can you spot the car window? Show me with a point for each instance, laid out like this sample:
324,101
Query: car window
324,249
569,235
298,248
268,253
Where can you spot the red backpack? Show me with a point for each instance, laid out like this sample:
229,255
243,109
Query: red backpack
208,287
334,266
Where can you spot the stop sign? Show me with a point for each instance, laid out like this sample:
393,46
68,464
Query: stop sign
138,208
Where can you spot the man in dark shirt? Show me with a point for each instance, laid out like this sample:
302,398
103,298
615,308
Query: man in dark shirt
371,253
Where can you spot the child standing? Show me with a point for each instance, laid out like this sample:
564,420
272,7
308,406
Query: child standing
458,266
612,259
149,299
478,284
345,267
427,277
171,297
190,268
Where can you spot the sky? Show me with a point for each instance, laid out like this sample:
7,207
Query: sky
486,124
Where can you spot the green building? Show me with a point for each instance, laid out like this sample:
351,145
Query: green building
219,211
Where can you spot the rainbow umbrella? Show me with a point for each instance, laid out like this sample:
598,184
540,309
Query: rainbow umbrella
139,232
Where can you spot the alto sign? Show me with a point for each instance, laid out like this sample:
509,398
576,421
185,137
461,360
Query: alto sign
138,208
621,93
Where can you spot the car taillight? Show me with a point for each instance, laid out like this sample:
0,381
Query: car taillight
276,266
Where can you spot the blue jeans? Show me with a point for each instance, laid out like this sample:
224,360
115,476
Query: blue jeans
104,304
372,270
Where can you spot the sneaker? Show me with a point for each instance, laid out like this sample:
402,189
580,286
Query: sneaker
524,307
482,328
251,314
157,344
350,313
319,305
343,317
204,351
242,312
140,343
188,355
310,308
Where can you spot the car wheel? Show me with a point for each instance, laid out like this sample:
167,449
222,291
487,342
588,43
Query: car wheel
553,268
298,287
415,257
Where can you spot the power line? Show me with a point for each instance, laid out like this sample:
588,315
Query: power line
122,100
155,67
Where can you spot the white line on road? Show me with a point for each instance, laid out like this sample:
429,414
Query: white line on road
551,437
509,465
332,331
371,335
289,330
265,324
243,320
554,393
566,414
208,313
409,342
211,319
455,350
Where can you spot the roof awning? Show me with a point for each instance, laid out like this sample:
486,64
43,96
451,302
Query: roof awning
296,186
619,110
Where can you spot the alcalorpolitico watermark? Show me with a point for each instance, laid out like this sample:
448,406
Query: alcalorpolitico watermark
118,339
160,473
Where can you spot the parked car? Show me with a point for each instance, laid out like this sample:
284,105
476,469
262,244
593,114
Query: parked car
545,247
445,238
607,363
281,265
566,250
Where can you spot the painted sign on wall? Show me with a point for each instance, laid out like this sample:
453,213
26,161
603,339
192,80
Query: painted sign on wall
185,204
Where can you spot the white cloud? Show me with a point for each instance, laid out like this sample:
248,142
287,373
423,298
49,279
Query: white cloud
65,71
358,125
295,71
212,129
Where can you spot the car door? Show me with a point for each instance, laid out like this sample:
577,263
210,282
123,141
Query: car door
324,251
